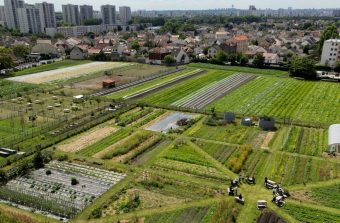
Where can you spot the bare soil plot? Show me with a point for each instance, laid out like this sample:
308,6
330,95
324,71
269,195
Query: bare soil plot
69,72
86,139
267,140
120,77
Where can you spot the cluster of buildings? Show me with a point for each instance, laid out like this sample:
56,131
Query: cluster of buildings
41,17
252,11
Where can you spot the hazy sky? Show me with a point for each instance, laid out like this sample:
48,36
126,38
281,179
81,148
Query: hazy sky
199,4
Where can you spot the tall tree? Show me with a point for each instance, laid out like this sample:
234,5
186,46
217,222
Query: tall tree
21,51
302,67
331,32
259,61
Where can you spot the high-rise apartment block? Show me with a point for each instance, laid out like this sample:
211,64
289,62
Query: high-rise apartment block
86,13
125,14
108,14
71,14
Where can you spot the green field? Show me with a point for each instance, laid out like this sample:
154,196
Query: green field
308,141
52,66
11,87
284,98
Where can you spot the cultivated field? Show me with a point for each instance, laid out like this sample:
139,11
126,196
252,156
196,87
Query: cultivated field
69,72
285,97
164,153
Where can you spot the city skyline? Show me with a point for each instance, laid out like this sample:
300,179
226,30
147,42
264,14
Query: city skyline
195,4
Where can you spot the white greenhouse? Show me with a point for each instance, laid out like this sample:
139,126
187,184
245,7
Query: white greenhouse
334,138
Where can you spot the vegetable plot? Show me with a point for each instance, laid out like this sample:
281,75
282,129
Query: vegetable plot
61,188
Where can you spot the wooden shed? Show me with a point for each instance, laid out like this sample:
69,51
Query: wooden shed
109,84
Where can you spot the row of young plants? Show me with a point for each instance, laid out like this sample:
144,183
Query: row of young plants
306,214
130,143
125,120
220,152
195,170
308,141
182,89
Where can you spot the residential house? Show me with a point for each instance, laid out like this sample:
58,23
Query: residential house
157,55
79,52
180,56
271,58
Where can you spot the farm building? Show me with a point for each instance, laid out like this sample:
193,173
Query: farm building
109,84
267,123
334,138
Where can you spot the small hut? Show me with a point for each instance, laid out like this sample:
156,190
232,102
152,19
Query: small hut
107,84
229,117
267,123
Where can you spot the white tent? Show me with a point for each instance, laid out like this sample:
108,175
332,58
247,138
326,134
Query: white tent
334,138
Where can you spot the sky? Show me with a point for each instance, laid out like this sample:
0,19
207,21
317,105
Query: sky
197,4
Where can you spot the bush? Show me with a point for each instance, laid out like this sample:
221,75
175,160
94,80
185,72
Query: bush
74,181
48,172
96,213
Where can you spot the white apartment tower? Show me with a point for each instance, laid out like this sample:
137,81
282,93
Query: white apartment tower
71,14
125,14
11,15
2,16
47,15
29,19
108,14
86,13
330,52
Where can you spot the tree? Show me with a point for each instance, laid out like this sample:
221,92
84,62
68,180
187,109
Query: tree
259,61
221,56
92,22
21,51
3,177
331,32
6,61
74,181
169,60
135,45
38,160
302,67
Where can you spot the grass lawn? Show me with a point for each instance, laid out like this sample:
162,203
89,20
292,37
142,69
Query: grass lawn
52,66
11,87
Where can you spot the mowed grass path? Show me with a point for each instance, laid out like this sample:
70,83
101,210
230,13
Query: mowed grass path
52,66
180,90
285,97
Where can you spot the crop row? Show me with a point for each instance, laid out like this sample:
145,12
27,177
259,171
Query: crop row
219,151
235,134
306,214
129,144
192,169
125,120
308,141
104,143
213,91
182,89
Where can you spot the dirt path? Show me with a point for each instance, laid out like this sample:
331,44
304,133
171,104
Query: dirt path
86,139
267,140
